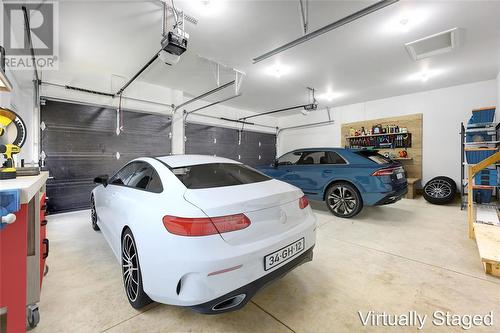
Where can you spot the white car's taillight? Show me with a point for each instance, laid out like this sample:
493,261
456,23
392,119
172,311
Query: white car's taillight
199,226
303,202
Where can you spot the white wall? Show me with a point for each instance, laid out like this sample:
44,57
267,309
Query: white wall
498,90
443,110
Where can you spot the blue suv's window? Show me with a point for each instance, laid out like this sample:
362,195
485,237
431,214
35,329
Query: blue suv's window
374,156
290,158
334,158
320,157
311,157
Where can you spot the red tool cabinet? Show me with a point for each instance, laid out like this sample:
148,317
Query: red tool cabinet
13,244
44,242
23,250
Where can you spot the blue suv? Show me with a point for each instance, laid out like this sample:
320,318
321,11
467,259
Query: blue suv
346,179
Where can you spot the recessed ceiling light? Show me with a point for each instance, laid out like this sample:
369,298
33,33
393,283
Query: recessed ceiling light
329,96
278,70
209,7
406,21
404,24
425,75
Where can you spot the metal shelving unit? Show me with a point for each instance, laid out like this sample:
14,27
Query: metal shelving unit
463,180
463,163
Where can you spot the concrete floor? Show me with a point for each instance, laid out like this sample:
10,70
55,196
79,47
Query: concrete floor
407,256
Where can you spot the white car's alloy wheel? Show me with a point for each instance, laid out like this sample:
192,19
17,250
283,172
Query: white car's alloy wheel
130,268
93,215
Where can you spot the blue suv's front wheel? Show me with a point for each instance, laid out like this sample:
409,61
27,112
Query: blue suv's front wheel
343,200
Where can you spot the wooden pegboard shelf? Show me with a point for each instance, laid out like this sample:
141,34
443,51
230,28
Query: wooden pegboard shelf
413,123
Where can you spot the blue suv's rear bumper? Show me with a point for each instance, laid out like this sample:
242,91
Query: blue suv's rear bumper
391,197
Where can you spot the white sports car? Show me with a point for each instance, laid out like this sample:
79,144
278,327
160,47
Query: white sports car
201,231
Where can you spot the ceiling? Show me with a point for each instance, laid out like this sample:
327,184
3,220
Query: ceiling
361,61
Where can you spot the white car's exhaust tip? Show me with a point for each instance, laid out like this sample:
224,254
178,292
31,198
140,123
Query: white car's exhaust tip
229,303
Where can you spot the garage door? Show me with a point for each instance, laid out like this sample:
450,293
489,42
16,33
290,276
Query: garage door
253,149
80,142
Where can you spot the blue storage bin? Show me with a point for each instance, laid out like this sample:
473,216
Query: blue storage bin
482,136
486,177
476,155
10,202
480,116
482,196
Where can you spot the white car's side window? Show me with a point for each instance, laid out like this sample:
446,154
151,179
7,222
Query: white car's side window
140,179
155,184
122,177
139,175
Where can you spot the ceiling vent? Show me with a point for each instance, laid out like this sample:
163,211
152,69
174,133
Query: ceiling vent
429,46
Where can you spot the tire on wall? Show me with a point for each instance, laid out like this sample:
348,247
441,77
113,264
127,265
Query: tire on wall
440,190
131,272
343,200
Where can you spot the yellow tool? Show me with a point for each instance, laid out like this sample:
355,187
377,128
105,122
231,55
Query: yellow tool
8,170
12,138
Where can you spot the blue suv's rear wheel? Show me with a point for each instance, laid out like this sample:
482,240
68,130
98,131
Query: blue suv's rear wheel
343,200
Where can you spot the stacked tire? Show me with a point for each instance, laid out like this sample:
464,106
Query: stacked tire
440,190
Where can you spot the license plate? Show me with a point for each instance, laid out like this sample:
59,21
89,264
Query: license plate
283,255
399,175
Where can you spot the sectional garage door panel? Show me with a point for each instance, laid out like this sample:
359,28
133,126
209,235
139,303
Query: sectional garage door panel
72,168
253,149
257,148
80,142
69,196
200,134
